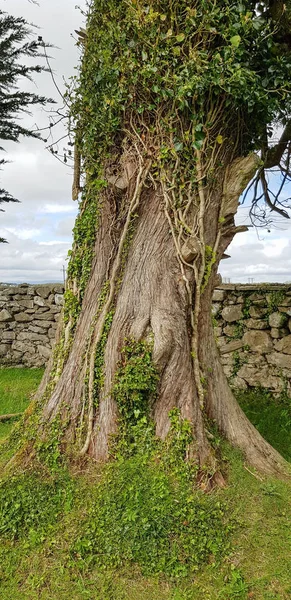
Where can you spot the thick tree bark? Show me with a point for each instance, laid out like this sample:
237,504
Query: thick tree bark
154,293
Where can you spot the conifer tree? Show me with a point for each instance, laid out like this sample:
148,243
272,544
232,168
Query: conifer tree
17,42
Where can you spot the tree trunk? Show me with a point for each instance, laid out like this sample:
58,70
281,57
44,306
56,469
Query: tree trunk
146,285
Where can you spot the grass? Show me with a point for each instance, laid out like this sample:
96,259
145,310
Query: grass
41,562
271,416
16,388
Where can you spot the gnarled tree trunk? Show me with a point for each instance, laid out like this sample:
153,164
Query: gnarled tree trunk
153,288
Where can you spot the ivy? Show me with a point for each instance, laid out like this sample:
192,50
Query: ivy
136,382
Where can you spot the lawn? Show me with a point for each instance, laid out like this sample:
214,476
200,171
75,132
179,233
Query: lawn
16,389
41,562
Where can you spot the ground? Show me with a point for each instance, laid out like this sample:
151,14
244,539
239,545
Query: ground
44,555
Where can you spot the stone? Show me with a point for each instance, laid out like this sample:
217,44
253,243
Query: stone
59,288
56,310
30,291
43,309
275,333
215,309
26,303
51,334
285,310
44,291
256,324
232,313
230,330
258,341
33,337
44,324
36,329
218,296
256,298
5,316
19,346
277,319
284,345
257,312
44,351
218,331
283,361
23,317
260,378
3,298
16,291
227,370
4,348
59,299
286,301
46,316
38,300
231,346
8,335
238,383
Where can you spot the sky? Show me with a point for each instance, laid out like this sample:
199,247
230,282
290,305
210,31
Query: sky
39,229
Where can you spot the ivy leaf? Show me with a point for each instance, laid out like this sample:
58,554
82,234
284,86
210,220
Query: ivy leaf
180,37
235,41
163,17
219,139
178,146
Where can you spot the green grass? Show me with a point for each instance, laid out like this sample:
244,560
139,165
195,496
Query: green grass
271,416
50,525
16,388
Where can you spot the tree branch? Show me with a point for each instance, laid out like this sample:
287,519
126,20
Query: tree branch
275,154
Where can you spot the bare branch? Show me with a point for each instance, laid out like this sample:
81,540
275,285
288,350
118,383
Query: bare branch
275,154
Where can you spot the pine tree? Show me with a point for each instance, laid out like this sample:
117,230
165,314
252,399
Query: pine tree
15,44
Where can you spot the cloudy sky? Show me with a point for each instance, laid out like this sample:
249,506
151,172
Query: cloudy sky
39,229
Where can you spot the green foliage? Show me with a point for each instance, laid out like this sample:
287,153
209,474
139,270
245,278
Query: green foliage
246,307
274,300
135,382
178,55
210,260
48,447
145,514
72,306
81,255
238,360
239,330
31,505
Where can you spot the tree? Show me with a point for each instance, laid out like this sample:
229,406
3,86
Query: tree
174,112
14,45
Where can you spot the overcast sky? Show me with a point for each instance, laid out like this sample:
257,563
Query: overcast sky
39,229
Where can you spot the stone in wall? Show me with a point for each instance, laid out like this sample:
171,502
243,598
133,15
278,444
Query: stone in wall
28,322
252,330
252,326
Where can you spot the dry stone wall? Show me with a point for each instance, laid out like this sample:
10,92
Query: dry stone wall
252,326
28,322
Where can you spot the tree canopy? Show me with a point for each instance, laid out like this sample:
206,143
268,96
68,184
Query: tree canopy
16,43
174,64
